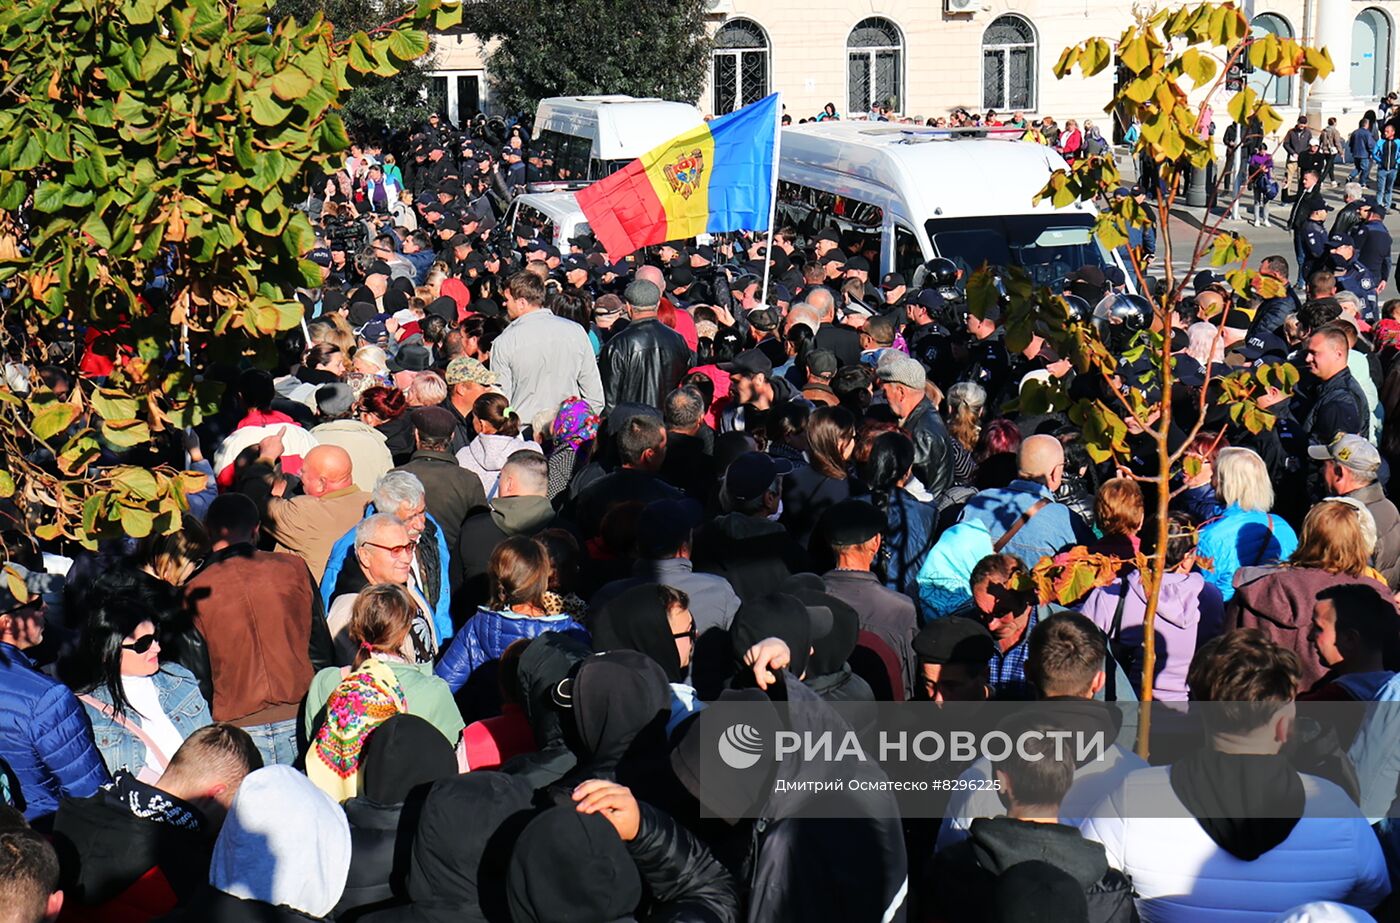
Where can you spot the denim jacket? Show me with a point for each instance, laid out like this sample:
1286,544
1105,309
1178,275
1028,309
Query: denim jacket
179,697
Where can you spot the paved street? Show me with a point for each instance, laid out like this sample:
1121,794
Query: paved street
1274,239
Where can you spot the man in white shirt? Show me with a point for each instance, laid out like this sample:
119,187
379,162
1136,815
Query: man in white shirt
542,359
1233,832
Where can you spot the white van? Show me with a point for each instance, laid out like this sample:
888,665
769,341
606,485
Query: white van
920,192
553,217
590,137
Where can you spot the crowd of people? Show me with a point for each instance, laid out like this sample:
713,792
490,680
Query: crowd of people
365,679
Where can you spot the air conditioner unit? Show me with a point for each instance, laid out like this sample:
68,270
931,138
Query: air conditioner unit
960,6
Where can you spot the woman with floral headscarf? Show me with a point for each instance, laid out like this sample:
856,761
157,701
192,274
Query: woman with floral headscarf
574,429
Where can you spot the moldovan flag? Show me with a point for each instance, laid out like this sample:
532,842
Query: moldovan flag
715,177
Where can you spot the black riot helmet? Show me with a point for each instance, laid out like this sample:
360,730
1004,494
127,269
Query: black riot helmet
1120,317
1078,309
940,272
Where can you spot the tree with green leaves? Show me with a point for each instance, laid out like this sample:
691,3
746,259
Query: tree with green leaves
155,153
381,102
1174,63
573,47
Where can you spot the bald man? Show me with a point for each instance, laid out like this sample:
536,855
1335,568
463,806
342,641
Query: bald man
843,341
1023,518
308,525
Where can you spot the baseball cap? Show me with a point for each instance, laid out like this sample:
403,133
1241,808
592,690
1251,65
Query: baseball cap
8,601
752,473
822,362
763,318
1238,319
929,299
1350,452
834,256
858,263
378,268
1339,240
607,306
892,281
749,362
321,256
830,237
1208,279
1315,203
466,370
1261,344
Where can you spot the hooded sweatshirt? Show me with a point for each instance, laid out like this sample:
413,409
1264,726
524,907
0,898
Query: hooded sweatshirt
285,843
487,454
458,870
964,875
1190,612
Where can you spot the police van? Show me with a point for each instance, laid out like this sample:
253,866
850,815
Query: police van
552,217
590,137
915,193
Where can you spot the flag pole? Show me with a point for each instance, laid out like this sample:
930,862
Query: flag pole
773,195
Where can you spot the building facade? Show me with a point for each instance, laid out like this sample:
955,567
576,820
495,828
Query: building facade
926,57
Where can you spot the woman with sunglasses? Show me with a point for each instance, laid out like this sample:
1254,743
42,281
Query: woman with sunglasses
141,709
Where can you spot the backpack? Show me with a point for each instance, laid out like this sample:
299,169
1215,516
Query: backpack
1267,187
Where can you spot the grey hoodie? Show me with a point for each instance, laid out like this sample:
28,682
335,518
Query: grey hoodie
487,454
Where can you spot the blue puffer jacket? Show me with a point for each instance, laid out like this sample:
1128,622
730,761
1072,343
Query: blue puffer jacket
181,701
486,636
345,546
1242,538
45,737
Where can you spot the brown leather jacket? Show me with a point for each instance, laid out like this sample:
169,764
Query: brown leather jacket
265,628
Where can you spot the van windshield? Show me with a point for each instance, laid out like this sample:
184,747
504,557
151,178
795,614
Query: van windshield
1049,247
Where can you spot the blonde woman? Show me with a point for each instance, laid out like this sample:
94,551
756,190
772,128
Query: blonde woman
1246,534
1339,537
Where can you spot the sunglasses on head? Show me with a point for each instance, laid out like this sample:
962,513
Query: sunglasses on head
141,645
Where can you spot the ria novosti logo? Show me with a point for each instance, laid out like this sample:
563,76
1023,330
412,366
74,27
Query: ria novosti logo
740,746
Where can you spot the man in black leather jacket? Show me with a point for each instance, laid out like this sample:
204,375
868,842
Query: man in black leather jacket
645,361
903,380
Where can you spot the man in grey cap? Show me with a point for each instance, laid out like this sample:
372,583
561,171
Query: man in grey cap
369,451
644,361
1350,468
903,381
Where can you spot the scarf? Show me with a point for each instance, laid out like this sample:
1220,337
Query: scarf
1247,804
575,424
362,702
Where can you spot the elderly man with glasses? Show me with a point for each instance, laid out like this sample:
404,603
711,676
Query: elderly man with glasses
402,496
385,550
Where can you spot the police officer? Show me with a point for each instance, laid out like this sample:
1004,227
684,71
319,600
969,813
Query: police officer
578,275
1310,239
990,364
1352,275
928,339
1373,243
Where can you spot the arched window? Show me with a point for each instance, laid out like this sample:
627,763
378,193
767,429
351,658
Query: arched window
874,66
1370,55
739,65
1008,64
1276,91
